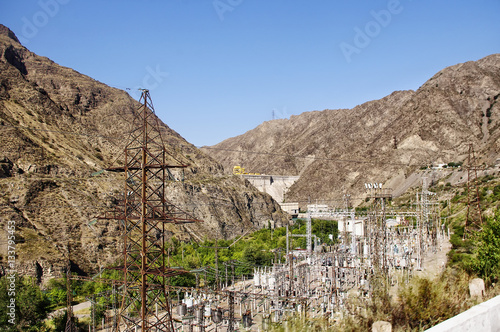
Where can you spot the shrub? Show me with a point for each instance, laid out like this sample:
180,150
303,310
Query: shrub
424,303
454,164
485,261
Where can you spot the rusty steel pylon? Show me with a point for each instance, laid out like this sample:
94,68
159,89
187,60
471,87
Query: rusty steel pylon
474,219
143,213
378,226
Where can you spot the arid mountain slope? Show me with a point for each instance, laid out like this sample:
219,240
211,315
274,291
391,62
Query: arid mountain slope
58,130
336,151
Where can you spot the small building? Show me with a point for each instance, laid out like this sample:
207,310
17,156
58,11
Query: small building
391,222
319,210
439,166
354,226
290,208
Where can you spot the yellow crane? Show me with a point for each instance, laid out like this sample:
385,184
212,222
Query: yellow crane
238,170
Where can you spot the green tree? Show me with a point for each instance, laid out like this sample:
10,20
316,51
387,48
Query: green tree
256,255
485,261
56,292
323,228
31,306
184,280
60,321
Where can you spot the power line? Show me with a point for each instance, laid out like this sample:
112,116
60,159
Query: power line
50,237
39,206
194,205
274,154
357,161
61,132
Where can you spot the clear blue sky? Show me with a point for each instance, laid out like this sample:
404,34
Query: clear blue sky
217,68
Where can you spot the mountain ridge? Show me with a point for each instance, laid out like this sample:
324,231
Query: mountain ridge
339,150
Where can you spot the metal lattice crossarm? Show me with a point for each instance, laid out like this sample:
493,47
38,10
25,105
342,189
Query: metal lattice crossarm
173,214
159,166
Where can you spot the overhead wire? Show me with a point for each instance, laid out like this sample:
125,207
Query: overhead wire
60,132
49,237
274,154
340,160
221,200
40,206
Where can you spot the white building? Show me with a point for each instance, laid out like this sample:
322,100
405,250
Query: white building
354,226
290,208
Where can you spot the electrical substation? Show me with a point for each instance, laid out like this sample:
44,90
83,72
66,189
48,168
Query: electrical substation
312,282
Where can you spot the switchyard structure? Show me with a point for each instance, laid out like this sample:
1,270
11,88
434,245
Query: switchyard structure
316,281
143,214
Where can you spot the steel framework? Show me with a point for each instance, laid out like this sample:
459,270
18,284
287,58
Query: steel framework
474,219
378,227
143,212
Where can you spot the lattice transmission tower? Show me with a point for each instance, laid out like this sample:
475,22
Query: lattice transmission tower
474,219
377,226
144,212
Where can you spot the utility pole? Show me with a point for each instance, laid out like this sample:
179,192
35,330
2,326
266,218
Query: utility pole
230,301
226,274
379,230
345,217
70,324
309,230
232,272
216,248
115,313
287,242
92,313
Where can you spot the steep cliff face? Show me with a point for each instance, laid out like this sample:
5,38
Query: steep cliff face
58,130
336,151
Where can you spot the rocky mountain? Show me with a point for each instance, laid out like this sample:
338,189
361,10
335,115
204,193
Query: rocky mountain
59,130
336,151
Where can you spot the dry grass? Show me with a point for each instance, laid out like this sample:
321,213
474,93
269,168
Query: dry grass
419,305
